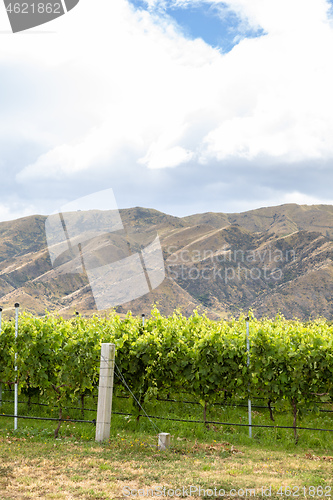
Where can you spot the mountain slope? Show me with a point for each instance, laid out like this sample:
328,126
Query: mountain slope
276,259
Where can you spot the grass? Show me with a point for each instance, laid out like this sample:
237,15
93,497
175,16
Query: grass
33,465
35,468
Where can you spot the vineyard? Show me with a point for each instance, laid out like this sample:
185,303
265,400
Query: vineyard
290,366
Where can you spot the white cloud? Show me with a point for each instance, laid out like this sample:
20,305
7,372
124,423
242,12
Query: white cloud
275,17
161,158
129,81
164,152
143,79
16,210
271,15
281,83
304,199
270,95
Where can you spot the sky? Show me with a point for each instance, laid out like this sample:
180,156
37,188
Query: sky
184,106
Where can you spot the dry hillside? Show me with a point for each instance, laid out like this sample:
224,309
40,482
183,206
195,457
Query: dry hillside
276,259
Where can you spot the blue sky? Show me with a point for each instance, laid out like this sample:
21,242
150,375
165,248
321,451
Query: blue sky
180,106
217,25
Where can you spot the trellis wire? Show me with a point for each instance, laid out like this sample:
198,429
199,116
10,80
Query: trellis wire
121,377
231,405
231,424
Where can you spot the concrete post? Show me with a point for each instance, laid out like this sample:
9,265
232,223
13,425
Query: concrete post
163,441
105,390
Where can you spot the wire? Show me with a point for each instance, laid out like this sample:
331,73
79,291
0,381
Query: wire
53,406
228,423
121,377
162,400
49,418
174,420
171,419
231,404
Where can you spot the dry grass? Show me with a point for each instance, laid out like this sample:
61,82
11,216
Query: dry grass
31,469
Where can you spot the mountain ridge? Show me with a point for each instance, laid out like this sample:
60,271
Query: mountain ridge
270,260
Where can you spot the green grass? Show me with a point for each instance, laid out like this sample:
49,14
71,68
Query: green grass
36,467
282,439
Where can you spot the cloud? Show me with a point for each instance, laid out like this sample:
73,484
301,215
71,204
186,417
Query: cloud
120,96
140,95
15,210
277,17
271,15
270,95
165,152
161,158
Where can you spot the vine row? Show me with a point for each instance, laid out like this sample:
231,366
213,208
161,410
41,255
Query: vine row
290,362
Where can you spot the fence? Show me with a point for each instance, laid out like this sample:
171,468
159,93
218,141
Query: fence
121,379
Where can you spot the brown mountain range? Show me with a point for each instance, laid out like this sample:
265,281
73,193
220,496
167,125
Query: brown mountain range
270,260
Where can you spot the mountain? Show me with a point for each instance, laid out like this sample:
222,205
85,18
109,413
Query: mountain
270,260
